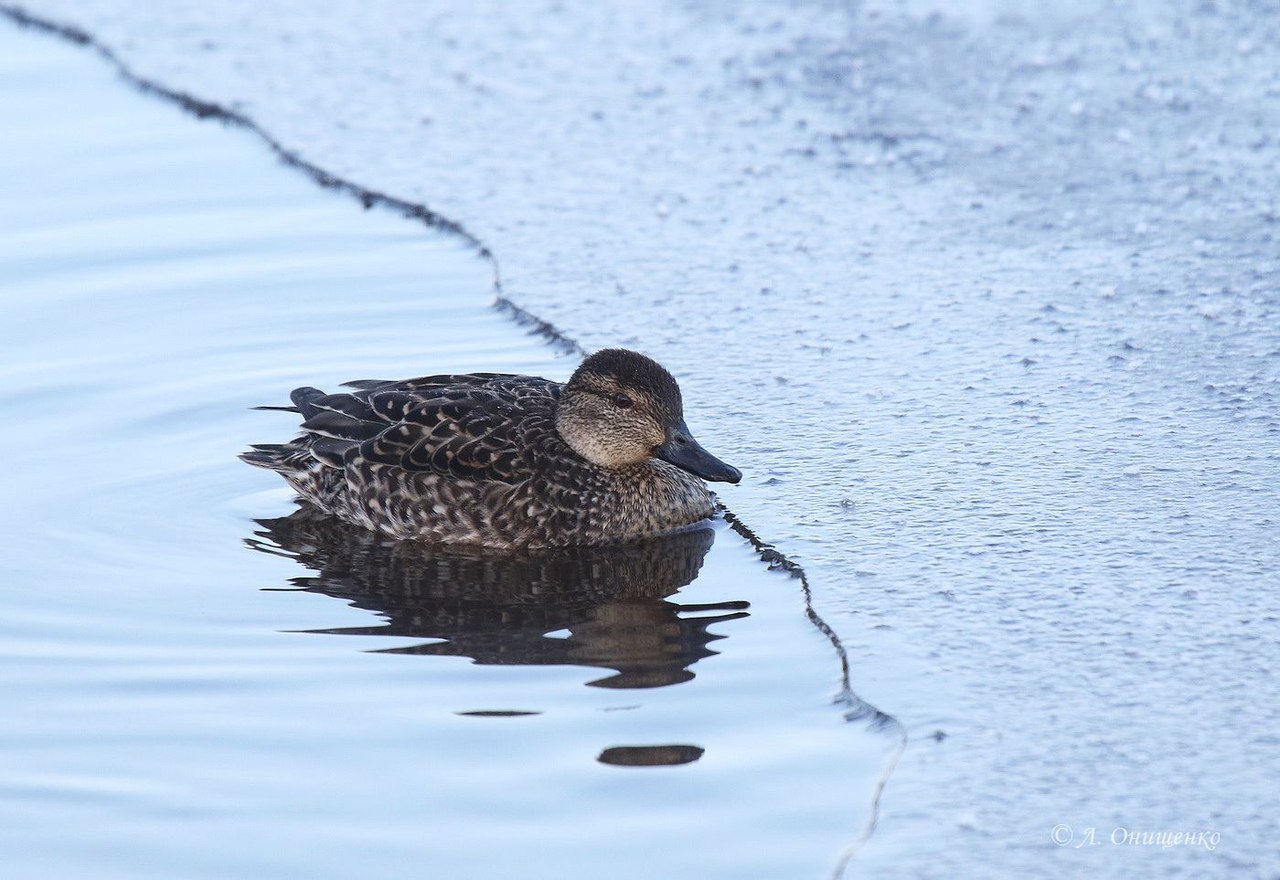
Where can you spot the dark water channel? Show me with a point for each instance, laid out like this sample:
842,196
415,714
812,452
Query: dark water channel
200,679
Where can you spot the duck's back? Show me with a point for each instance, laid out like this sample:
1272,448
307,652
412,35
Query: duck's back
436,457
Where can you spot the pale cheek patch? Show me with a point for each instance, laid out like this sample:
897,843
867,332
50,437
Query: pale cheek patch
617,451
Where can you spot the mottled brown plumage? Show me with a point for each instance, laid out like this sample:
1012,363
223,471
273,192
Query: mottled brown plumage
502,460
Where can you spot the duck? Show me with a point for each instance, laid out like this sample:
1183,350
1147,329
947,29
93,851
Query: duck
504,461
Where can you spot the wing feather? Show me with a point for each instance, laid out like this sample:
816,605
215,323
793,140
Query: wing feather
341,426
332,452
478,426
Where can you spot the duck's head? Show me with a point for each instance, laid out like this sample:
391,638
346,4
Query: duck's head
621,408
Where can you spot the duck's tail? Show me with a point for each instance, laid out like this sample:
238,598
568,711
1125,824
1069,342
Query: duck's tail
329,433
272,456
281,457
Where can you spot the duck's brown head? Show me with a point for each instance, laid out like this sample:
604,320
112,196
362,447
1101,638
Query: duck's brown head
621,408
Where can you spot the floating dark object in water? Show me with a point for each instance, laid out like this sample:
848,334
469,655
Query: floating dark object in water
650,756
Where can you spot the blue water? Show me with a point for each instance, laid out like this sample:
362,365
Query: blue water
195,687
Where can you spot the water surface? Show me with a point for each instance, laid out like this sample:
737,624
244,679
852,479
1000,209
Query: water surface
202,680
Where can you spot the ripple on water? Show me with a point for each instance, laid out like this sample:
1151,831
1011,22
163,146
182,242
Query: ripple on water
178,705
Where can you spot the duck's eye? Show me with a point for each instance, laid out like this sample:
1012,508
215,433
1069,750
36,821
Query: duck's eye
621,401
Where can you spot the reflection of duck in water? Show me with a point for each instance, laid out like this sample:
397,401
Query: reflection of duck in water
504,461
499,609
